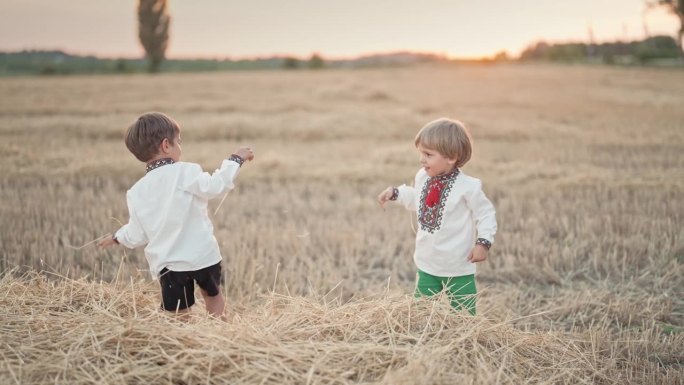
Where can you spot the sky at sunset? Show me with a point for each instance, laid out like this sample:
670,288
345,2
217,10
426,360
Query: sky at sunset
335,29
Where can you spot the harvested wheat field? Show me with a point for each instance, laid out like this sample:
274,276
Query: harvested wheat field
584,285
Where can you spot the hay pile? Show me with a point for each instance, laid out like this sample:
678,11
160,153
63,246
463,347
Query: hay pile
80,332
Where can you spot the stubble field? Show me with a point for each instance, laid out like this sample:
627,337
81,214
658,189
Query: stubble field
585,282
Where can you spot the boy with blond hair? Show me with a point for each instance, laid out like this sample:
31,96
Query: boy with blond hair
456,221
168,213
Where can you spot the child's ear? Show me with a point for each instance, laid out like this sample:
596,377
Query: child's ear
164,146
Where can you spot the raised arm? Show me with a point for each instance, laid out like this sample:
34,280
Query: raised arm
209,186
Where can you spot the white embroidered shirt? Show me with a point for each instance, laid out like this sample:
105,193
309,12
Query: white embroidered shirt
168,213
453,212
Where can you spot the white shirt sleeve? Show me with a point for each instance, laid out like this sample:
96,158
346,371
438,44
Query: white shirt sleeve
209,186
483,213
131,234
407,197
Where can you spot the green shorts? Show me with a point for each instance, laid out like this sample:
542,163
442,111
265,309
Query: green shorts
461,289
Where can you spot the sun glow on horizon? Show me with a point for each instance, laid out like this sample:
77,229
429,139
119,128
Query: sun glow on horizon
337,31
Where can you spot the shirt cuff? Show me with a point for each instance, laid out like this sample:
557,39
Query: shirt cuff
237,159
484,242
120,238
395,194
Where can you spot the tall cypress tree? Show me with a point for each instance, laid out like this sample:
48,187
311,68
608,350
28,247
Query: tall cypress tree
153,30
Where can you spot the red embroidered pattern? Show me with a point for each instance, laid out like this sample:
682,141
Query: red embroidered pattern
434,193
433,199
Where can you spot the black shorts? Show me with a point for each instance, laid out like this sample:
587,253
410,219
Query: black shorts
178,287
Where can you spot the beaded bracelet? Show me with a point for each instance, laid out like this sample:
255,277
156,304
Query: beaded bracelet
237,159
483,242
395,194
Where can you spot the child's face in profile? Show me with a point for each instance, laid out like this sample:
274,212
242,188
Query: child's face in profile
435,163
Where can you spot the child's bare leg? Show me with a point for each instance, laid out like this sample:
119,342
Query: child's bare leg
215,305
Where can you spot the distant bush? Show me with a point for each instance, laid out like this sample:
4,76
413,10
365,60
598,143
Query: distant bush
290,63
316,62
656,47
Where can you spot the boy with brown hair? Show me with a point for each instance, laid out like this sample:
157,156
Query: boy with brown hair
168,213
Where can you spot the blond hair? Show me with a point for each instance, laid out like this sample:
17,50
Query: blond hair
144,136
449,137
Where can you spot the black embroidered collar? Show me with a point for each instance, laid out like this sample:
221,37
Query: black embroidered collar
448,176
158,163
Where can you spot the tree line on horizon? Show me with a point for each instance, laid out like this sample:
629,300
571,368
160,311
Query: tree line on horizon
645,52
63,63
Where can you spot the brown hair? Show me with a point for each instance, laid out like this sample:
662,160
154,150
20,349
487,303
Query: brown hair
144,136
449,137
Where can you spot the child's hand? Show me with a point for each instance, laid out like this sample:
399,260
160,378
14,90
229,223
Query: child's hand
106,242
478,254
245,153
385,196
